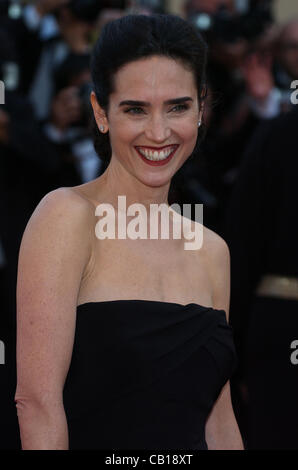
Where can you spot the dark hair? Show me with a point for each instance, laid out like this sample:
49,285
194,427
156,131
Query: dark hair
133,37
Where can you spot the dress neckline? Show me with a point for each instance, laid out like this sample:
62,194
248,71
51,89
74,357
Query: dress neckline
149,301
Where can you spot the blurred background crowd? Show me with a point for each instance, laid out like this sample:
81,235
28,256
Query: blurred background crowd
245,173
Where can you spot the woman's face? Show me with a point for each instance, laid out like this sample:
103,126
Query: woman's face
152,118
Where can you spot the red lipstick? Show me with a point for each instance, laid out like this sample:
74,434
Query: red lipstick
161,162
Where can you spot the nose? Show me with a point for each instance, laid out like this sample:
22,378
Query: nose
158,129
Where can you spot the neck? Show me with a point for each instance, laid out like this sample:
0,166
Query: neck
116,181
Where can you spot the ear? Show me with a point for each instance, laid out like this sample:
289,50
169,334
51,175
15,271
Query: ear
99,113
202,104
201,110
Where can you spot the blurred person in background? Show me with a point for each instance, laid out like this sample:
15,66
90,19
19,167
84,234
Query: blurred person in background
27,39
44,30
270,69
234,35
262,231
76,20
286,59
145,7
69,126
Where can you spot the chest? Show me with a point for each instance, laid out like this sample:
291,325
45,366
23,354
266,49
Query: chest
148,269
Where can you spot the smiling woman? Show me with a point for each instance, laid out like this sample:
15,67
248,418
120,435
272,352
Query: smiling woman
152,113
168,37
124,343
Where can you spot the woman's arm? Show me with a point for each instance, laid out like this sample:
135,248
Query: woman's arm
54,253
222,432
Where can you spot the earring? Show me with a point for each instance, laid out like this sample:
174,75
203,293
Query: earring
199,123
101,128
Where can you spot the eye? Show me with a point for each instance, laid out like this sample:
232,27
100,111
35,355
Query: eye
135,110
180,107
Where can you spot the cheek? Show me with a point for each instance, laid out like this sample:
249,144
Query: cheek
188,132
121,133
122,137
124,130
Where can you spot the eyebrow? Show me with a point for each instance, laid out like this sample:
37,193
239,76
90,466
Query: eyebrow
144,103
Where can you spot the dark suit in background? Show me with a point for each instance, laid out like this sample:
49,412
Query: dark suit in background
262,232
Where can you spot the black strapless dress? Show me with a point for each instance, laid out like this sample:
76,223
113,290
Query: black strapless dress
145,374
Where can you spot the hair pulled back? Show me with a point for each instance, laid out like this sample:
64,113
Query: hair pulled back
134,37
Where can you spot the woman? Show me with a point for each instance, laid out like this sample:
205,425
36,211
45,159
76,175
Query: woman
123,343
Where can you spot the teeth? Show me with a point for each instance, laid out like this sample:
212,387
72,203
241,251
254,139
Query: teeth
155,155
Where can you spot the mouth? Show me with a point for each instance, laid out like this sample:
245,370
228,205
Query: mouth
157,156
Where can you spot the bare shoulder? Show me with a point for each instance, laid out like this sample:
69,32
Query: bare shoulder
215,246
60,228
64,202
62,210
217,263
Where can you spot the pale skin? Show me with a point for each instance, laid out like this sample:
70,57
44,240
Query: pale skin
62,264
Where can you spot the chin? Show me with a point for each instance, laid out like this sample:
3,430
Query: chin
155,181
